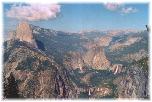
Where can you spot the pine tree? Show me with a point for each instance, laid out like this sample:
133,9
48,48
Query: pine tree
11,87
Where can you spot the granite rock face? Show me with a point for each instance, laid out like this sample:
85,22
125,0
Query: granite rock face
134,84
37,76
23,33
94,58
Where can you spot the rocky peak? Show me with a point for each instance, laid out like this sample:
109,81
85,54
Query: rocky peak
24,33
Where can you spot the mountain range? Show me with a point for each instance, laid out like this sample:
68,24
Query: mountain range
45,63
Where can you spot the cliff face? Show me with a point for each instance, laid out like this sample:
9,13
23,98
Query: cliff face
37,76
74,60
23,33
135,83
96,58
93,58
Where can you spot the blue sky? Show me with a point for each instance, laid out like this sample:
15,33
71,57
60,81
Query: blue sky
81,17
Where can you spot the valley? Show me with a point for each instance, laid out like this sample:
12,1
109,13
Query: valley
96,64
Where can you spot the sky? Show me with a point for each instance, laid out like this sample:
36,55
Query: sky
77,17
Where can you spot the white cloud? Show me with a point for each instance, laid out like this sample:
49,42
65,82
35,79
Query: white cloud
112,6
128,10
120,8
33,12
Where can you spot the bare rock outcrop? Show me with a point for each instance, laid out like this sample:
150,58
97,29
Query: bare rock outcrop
96,58
134,84
23,33
105,40
37,75
117,68
93,58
